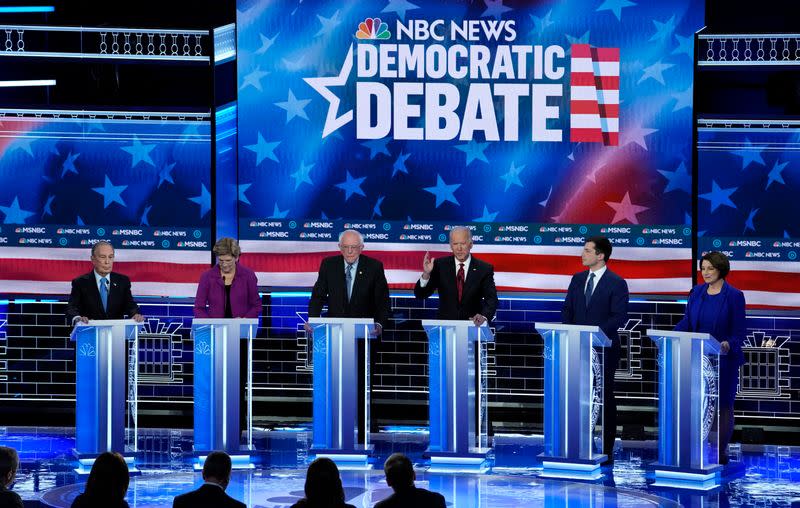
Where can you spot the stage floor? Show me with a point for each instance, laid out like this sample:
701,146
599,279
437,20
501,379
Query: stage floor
770,476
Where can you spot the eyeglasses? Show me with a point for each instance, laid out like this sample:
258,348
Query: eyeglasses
226,261
350,247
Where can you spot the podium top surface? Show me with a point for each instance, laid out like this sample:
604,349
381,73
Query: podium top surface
103,323
712,342
340,321
483,331
567,328
223,321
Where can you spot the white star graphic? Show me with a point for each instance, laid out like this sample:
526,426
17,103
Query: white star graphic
332,121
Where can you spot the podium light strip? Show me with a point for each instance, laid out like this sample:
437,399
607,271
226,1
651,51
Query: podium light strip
109,383
451,334
27,82
341,401
225,388
565,427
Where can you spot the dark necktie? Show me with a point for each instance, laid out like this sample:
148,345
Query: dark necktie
460,281
104,293
348,278
589,288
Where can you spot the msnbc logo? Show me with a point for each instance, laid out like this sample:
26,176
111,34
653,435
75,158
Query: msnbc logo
373,28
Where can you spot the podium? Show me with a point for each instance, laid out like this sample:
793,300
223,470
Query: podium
573,400
216,388
102,366
688,409
335,405
457,400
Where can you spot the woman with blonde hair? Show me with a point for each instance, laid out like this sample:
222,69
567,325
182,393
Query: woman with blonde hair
228,289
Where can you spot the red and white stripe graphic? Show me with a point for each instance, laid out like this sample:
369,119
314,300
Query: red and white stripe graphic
594,95
33,270
520,268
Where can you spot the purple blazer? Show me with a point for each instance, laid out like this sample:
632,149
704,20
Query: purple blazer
210,299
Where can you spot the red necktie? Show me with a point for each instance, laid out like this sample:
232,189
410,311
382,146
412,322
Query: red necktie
460,281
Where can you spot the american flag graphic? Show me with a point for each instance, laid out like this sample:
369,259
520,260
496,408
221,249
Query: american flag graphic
594,95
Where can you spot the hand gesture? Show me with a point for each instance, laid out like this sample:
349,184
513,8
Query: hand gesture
724,346
427,266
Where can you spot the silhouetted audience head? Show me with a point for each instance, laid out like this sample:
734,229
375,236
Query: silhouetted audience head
217,469
399,472
108,480
9,463
323,484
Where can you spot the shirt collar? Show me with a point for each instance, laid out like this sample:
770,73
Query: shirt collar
355,263
466,262
97,278
599,273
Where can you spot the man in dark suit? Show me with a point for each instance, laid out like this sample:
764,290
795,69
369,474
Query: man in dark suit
465,283
400,477
216,475
353,285
9,462
101,294
599,297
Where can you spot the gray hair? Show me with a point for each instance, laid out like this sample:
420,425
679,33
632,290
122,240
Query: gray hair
98,244
461,228
353,231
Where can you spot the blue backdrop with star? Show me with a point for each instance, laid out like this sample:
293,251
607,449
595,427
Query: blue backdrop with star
291,171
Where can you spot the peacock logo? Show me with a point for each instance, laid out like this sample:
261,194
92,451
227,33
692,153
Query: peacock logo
373,28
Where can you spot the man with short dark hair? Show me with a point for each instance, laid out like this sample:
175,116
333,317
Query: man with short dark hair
400,477
217,475
101,293
599,297
9,463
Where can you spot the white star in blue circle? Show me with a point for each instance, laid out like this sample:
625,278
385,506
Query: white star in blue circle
377,146
616,7
400,7
719,196
14,214
474,151
443,192
328,24
495,9
748,224
242,189
145,220
376,210
351,186
685,46
264,149
68,166
302,175
680,179
486,217
512,177
165,175
749,154
277,213
204,200
664,30
46,209
111,193
399,165
775,173
294,107
139,152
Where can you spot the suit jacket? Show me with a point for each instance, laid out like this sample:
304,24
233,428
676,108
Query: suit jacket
207,496
370,297
729,324
413,498
479,295
84,300
9,498
608,306
209,302
84,502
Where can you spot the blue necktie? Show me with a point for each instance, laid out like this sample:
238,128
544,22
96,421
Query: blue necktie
348,277
104,293
589,288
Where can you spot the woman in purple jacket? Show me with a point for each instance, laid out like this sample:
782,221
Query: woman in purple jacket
717,308
228,289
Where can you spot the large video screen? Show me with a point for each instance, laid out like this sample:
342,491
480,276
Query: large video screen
70,178
537,126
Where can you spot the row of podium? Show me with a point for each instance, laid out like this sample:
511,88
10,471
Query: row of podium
107,356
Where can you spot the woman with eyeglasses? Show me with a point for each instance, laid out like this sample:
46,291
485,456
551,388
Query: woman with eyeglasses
228,289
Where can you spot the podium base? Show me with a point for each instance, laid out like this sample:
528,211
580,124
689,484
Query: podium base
242,459
86,461
356,459
688,478
572,469
474,461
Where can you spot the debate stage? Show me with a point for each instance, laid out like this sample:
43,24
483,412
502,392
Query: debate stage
759,475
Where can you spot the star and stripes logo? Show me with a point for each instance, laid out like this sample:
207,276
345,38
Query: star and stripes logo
594,95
